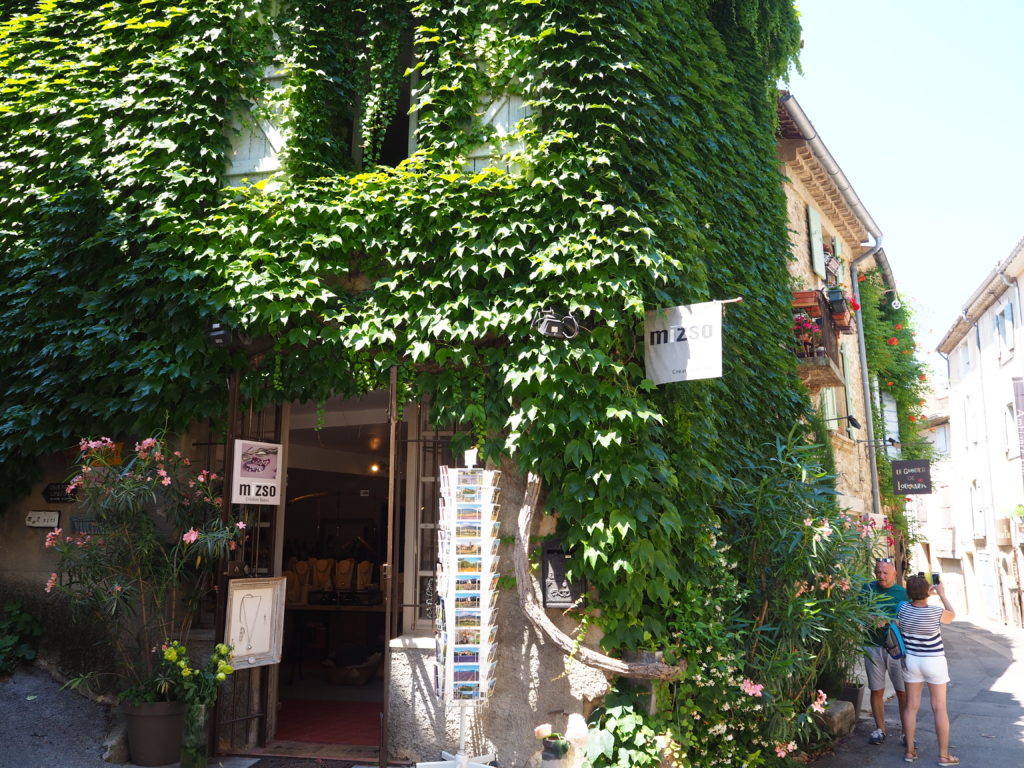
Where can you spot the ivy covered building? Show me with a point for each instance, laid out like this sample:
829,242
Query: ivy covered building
369,208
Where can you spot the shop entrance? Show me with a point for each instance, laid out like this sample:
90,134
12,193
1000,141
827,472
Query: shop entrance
334,538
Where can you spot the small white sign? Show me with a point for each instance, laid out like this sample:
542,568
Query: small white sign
684,343
42,518
257,473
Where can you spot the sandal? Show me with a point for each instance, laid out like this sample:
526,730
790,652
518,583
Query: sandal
911,756
949,760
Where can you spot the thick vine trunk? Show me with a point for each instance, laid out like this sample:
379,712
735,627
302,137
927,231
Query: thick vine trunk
650,670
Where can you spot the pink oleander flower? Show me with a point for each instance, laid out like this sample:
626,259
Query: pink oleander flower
751,688
166,481
52,537
808,521
190,536
784,749
820,701
51,582
240,525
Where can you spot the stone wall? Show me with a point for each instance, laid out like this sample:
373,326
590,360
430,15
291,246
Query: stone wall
535,683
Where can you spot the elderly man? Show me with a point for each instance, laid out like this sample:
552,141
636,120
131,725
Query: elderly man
878,663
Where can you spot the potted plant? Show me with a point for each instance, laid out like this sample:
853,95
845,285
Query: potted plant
837,300
196,688
556,747
145,571
807,332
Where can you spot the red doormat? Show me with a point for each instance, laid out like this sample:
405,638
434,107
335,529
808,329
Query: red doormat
330,722
300,762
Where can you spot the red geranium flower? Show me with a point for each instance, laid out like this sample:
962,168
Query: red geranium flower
893,341
899,327
922,377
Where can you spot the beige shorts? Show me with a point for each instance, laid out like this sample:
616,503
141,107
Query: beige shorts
878,663
926,669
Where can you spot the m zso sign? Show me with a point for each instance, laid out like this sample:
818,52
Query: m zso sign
257,473
684,343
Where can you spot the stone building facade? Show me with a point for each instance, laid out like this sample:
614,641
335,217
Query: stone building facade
834,239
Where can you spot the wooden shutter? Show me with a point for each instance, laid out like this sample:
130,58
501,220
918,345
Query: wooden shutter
814,237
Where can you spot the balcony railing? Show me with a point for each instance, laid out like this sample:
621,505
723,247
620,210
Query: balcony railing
818,351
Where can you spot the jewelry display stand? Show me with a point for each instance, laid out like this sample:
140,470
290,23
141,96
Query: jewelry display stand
465,621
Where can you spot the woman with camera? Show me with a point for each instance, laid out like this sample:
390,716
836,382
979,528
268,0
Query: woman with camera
925,662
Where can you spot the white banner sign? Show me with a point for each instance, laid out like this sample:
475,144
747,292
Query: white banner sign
684,343
257,473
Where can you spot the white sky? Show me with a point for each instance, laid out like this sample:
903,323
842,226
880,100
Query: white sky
921,102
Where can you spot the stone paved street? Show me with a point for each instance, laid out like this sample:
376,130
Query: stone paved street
985,701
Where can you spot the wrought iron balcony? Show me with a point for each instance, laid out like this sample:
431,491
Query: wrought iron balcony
817,348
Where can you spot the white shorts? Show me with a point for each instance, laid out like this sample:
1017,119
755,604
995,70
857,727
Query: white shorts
926,669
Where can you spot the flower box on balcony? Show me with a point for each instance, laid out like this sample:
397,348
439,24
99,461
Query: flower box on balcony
843,322
808,302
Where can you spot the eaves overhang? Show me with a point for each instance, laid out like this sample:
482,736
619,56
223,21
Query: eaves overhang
810,161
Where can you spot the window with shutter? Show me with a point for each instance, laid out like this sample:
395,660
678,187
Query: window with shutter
1005,330
815,243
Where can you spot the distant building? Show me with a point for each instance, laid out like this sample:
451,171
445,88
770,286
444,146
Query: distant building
984,349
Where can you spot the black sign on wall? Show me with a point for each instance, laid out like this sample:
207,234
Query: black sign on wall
911,476
558,590
57,493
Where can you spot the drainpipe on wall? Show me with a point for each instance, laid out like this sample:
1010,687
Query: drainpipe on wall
876,496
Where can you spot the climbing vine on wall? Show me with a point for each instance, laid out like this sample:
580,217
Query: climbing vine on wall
644,175
896,370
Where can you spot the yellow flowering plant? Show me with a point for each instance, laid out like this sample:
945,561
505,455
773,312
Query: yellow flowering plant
177,679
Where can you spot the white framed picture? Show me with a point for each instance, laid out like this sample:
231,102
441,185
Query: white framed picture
255,621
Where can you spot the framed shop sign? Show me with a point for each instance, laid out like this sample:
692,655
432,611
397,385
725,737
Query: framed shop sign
256,478
911,476
683,343
255,621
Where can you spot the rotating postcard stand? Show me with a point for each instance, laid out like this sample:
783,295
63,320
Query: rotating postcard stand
465,621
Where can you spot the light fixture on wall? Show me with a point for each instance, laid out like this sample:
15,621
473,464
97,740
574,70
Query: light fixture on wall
850,418
377,467
556,326
889,441
224,337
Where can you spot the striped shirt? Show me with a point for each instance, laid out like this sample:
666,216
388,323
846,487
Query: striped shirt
919,625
